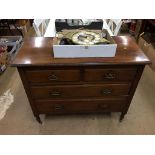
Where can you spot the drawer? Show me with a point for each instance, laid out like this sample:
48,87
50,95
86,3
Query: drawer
110,74
37,76
79,106
77,91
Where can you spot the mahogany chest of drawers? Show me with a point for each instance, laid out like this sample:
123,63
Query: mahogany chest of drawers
81,85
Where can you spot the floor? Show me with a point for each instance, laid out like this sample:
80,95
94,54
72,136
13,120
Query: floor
140,118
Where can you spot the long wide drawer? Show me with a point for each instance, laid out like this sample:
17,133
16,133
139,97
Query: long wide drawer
110,74
37,76
77,91
79,106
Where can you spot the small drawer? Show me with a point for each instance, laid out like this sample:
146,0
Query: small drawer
52,76
80,106
78,91
110,74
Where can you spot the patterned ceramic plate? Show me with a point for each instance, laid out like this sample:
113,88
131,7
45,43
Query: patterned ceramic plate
86,38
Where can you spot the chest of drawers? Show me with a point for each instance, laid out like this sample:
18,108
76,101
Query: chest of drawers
85,85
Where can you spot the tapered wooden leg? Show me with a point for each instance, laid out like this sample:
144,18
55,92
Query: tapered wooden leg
38,119
122,116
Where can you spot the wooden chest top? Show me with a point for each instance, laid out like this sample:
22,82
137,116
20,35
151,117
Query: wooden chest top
37,51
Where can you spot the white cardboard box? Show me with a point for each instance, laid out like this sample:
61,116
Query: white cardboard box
82,51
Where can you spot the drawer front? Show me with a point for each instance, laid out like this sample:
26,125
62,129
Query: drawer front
52,75
78,106
76,91
116,74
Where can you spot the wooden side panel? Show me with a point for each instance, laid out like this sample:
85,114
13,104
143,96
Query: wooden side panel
27,90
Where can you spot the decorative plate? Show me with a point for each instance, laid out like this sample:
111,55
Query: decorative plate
86,38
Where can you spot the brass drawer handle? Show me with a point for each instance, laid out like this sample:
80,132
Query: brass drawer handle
55,93
53,77
110,76
58,107
106,91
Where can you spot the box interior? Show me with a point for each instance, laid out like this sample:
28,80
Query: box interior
108,37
